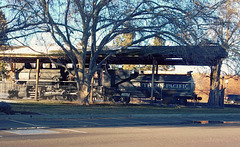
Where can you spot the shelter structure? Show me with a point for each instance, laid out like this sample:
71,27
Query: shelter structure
162,55
152,55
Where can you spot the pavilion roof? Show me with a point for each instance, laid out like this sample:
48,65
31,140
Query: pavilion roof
164,55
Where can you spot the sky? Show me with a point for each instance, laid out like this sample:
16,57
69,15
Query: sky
43,46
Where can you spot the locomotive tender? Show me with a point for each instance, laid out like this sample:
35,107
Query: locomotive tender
119,85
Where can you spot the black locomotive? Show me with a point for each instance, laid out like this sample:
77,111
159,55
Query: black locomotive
108,85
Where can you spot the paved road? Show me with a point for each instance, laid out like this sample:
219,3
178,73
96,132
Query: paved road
123,137
85,121
120,130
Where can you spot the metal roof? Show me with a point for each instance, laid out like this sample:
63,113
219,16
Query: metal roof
164,55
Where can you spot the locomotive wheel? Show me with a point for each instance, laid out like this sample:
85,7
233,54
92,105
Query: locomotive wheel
126,100
183,101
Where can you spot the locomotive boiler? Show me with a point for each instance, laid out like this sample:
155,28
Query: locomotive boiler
53,84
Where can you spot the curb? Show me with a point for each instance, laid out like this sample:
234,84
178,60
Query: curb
79,116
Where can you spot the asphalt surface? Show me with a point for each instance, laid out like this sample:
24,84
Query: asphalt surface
26,121
9,122
166,130
147,136
120,130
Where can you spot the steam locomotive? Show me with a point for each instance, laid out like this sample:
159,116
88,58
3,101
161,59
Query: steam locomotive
109,85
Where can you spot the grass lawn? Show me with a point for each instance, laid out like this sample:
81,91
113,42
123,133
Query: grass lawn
64,108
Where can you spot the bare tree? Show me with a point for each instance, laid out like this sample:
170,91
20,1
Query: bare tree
3,42
218,24
95,23
222,28
228,31
3,34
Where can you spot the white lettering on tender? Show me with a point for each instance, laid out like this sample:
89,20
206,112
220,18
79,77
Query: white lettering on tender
162,85
177,86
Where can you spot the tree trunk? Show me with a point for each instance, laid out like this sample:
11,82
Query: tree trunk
82,85
215,98
83,95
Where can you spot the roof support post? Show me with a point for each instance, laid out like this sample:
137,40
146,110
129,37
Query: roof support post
37,79
91,92
156,68
152,84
